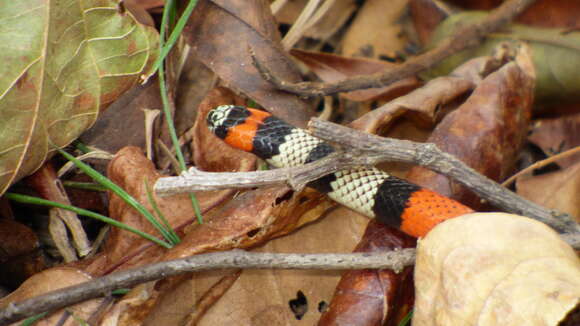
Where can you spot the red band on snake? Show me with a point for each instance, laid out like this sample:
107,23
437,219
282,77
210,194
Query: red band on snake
369,191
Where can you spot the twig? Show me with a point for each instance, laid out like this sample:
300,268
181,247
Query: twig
379,149
297,178
236,259
467,37
541,164
364,149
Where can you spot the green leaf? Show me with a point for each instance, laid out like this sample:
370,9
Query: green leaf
62,62
555,53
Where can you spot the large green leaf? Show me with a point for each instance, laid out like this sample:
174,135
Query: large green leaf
61,62
555,53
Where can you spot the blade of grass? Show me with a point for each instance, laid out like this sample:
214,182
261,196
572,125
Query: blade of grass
407,319
170,5
174,237
43,202
84,185
95,175
166,48
32,320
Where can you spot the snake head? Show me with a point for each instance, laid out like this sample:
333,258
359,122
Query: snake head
224,117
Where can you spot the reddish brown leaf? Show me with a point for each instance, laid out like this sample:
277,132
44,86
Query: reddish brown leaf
130,169
487,131
123,124
428,102
20,255
371,297
558,135
251,219
50,280
221,33
332,68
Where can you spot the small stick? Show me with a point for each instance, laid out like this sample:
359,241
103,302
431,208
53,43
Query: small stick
464,38
395,260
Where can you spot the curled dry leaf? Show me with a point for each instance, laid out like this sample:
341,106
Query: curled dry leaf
66,64
494,269
332,68
221,34
373,297
426,101
487,131
50,280
130,169
248,220
555,55
554,136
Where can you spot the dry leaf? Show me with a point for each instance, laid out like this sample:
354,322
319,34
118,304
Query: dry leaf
557,190
494,269
376,30
20,255
67,64
554,136
221,33
50,280
373,297
129,170
332,68
487,131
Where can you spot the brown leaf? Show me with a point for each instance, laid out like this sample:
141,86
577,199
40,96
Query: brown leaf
20,255
426,102
123,124
221,34
487,131
326,26
373,297
252,218
332,68
248,220
557,190
494,269
129,170
50,280
261,297
554,136
363,38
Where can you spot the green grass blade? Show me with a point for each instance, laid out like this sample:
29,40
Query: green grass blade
84,185
43,202
95,175
407,319
167,46
174,237
165,98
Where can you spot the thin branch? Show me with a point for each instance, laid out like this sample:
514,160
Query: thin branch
235,259
379,149
362,149
297,178
462,39
541,164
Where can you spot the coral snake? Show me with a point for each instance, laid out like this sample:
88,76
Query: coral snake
369,191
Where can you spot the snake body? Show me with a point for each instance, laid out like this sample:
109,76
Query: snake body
369,191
